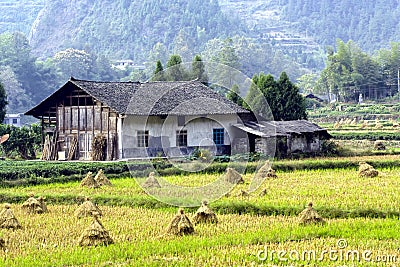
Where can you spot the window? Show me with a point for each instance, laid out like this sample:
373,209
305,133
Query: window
218,136
6,121
14,121
181,138
142,138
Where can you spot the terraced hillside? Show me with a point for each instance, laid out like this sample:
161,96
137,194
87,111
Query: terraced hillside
18,15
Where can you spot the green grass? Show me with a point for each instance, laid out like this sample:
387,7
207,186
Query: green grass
336,193
363,211
139,240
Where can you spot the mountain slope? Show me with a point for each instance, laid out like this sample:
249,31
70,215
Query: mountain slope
18,15
372,24
126,28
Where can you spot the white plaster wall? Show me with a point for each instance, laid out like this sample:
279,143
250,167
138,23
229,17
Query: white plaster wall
199,129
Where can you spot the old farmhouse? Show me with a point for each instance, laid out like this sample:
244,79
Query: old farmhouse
138,120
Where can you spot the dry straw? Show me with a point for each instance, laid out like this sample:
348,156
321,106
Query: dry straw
101,179
180,224
310,216
2,244
243,193
87,208
99,145
263,192
151,181
266,171
233,177
42,201
89,181
366,170
204,215
7,218
32,205
95,234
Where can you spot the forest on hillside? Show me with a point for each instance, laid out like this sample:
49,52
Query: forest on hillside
34,62
373,24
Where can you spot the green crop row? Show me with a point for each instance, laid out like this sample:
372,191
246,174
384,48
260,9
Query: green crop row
23,173
366,135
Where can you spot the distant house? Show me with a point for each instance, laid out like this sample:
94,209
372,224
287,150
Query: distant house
126,64
152,119
290,137
12,119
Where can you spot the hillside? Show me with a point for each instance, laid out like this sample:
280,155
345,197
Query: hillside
18,15
128,29
372,24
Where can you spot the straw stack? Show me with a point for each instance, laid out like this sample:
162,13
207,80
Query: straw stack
204,215
101,179
180,224
32,205
310,216
233,177
95,234
366,170
89,181
87,208
7,219
151,182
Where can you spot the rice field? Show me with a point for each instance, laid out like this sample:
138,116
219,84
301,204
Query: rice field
332,188
51,239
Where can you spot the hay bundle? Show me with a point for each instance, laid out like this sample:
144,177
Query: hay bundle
379,145
151,182
366,170
266,171
310,216
337,125
99,145
95,234
32,205
263,192
180,224
7,219
101,179
87,208
42,201
243,193
204,215
233,177
89,181
2,244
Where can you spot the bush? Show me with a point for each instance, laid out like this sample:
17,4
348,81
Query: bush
329,148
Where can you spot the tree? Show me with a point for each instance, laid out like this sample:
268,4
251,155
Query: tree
293,104
234,95
73,62
198,70
3,102
18,99
280,99
175,70
262,98
158,72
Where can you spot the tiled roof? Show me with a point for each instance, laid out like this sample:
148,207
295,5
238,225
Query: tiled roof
151,98
280,128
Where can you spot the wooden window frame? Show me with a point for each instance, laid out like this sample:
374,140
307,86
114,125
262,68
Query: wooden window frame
142,138
181,138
